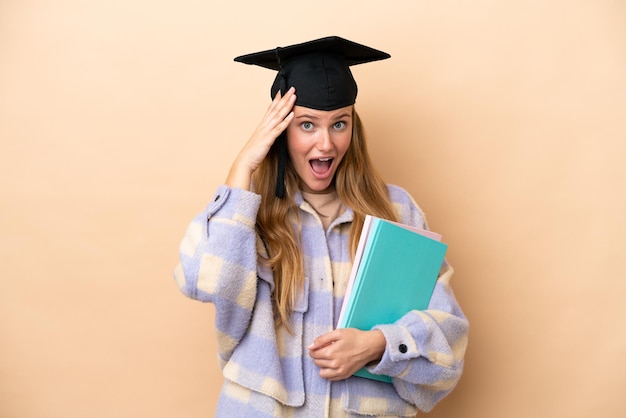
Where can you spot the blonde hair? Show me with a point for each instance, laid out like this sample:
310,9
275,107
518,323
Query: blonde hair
358,185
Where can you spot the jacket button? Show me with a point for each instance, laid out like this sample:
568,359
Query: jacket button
403,348
217,198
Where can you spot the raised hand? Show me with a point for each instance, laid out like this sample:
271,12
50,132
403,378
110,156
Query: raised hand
277,117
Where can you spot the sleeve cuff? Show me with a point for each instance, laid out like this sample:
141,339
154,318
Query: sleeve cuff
233,203
400,343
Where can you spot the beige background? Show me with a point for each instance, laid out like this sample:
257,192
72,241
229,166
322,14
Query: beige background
118,119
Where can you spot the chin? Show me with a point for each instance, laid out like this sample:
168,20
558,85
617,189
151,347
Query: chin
317,188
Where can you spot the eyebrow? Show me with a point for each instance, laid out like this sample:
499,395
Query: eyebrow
310,116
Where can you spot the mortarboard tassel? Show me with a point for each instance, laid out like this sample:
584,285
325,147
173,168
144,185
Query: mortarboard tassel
282,161
282,139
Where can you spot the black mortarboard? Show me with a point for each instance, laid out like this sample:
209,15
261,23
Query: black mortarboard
319,70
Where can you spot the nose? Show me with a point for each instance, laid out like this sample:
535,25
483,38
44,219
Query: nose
324,141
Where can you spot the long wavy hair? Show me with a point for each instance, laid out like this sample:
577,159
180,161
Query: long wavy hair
358,185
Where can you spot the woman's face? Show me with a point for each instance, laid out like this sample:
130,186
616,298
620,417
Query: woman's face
317,140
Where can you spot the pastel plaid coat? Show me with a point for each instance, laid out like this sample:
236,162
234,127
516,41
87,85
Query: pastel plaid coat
267,370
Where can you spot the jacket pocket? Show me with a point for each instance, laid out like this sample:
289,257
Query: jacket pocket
259,363
370,397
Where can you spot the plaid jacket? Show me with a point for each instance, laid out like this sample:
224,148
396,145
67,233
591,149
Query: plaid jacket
267,370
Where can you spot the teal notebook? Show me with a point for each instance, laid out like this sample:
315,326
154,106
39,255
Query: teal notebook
394,272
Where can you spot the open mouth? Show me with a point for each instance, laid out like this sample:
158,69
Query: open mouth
321,165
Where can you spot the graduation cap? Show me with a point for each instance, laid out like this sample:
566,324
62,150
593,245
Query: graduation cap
320,72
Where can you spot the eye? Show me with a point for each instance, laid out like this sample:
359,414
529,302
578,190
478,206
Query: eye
339,125
307,126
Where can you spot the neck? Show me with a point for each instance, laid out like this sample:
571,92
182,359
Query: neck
327,205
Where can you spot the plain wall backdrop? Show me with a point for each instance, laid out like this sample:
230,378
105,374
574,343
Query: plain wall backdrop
118,120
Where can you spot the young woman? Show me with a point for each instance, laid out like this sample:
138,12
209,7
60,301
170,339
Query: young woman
273,253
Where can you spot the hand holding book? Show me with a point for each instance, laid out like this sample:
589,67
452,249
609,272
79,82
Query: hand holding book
395,270
340,353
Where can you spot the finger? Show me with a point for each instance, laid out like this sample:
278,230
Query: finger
280,99
331,374
322,341
279,115
331,364
323,363
274,102
334,374
282,108
274,127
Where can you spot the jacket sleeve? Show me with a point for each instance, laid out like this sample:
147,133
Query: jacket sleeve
425,350
218,262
